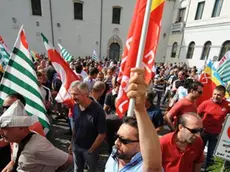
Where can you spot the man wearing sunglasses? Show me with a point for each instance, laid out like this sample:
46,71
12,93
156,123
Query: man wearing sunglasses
182,150
137,145
187,104
213,112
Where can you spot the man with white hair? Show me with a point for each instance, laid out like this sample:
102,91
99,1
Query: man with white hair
89,127
31,151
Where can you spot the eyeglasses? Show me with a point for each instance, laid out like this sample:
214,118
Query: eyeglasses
125,141
3,109
194,131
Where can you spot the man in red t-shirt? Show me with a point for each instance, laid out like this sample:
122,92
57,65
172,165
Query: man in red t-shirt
187,104
182,150
214,112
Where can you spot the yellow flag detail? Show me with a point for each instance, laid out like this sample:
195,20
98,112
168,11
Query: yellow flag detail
156,3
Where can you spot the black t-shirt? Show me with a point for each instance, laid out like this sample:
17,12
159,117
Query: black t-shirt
5,156
88,124
110,101
102,98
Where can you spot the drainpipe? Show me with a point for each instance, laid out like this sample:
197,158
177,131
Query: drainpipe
51,22
185,22
101,26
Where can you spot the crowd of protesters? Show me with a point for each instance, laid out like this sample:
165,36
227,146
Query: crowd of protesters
135,143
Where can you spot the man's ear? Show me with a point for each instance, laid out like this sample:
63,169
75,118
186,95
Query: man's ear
180,127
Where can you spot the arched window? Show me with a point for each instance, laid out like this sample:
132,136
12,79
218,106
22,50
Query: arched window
174,49
114,51
225,47
191,48
206,50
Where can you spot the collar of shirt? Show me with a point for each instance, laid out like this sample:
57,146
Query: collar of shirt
131,166
113,92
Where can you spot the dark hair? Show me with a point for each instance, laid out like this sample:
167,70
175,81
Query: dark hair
18,96
194,86
131,121
78,68
39,74
150,96
221,88
93,71
188,82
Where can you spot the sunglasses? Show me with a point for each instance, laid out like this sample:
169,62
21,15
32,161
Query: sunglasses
200,92
125,141
194,131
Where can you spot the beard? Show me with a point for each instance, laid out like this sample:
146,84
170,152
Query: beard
191,140
122,156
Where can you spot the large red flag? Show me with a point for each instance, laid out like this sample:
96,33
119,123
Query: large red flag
131,49
66,74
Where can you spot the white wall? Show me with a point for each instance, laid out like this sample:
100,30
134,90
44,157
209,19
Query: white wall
207,29
211,29
21,10
123,27
165,29
79,37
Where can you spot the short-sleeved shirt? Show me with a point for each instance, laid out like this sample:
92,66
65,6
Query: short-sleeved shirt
175,160
181,107
88,124
39,155
156,116
135,165
159,87
90,83
214,115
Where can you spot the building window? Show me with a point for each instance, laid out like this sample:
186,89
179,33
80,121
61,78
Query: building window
217,8
181,14
191,48
225,47
199,11
78,10
206,50
116,15
36,7
174,49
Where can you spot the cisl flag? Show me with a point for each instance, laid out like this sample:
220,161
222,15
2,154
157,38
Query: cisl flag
132,44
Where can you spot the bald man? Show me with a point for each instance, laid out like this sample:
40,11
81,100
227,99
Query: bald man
182,150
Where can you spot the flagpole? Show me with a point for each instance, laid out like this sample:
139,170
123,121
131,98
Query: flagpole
141,49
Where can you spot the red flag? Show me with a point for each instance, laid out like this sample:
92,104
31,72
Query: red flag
65,72
132,44
210,79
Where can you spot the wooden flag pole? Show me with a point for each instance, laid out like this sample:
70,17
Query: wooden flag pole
141,49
